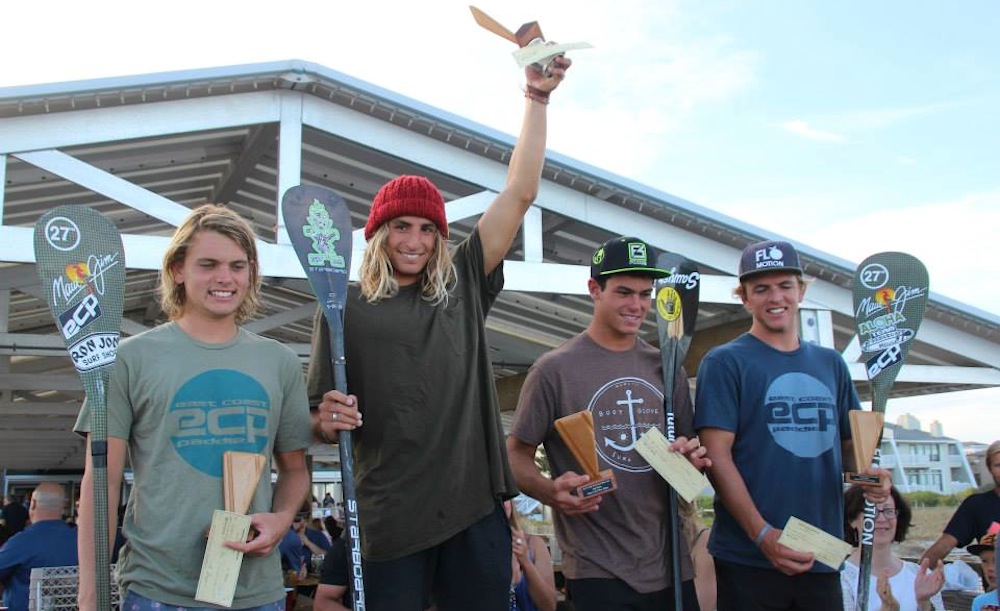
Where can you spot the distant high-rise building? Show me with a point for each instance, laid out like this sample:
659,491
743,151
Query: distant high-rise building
936,429
909,422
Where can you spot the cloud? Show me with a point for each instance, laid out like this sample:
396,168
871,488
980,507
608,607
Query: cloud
955,239
802,128
962,414
881,118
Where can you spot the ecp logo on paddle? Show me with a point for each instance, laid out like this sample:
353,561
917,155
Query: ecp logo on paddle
77,319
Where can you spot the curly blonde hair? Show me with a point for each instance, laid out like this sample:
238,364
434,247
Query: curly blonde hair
222,220
378,281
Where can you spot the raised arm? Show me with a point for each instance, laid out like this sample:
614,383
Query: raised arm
499,224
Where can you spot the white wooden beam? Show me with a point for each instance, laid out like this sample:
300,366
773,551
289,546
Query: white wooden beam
65,129
289,154
99,181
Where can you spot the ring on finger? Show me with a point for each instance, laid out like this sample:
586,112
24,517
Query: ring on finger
333,416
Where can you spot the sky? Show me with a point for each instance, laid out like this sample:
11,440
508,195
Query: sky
854,127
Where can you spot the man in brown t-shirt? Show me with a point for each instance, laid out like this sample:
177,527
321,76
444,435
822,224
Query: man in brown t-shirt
615,547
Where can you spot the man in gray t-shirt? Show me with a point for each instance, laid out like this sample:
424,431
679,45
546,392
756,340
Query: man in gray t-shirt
615,547
179,396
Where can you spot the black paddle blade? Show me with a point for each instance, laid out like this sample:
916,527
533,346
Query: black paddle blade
319,225
676,316
677,297
890,296
81,262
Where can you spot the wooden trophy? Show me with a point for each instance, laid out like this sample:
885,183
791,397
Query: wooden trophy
220,568
240,473
577,430
866,432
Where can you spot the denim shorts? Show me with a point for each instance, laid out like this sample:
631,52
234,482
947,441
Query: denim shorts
135,602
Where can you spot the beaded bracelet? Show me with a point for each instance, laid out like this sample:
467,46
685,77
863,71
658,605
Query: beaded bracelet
536,94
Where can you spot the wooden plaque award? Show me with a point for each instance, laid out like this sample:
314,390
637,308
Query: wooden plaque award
240,474
220,568
577,430
866,429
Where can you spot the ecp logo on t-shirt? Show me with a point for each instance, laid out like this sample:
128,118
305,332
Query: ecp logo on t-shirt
219,411
802,414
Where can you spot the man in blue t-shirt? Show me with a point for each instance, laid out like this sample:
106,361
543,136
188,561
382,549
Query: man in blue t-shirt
49,541
772,411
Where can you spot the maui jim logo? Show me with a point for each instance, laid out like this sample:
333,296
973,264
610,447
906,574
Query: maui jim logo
891,300
82,275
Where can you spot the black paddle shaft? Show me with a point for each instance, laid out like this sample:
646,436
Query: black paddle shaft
319,227
676,315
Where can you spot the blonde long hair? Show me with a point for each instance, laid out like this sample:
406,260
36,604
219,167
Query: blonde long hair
222,220
378,281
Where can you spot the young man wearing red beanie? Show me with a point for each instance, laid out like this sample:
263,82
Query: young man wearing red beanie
430,460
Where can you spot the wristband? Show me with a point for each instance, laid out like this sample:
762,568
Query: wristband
763,531
536,94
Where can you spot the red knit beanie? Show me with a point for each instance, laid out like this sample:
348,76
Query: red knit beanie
407,196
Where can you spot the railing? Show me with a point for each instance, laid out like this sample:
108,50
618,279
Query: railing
54,588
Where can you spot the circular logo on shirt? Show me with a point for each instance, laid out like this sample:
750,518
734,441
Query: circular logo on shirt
623,410
801,414
219,411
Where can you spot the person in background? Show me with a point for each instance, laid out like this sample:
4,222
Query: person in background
15,515
48,541
901,585
696,534
533,585
986,549
334,590
973,517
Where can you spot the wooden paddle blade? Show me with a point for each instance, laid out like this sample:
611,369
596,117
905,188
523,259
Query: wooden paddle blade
240,475
491,24
866,431
890,296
